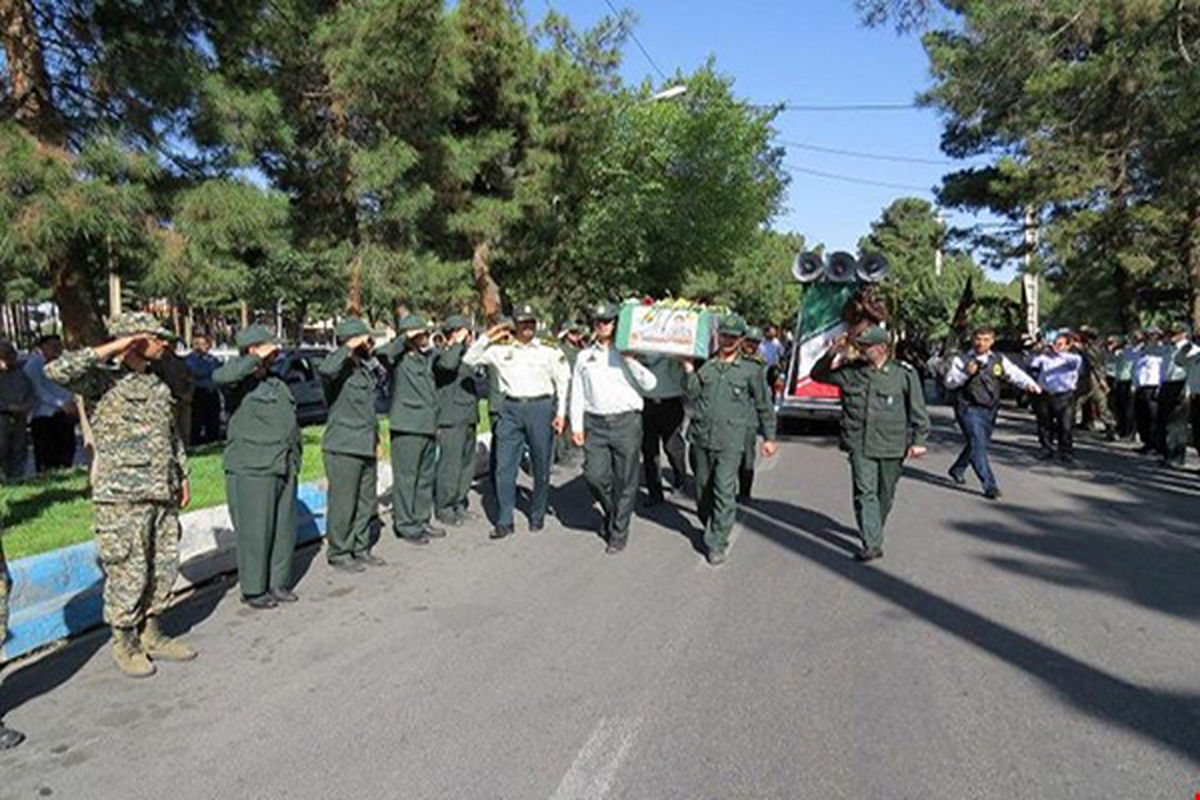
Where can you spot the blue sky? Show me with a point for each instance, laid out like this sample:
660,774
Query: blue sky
804,52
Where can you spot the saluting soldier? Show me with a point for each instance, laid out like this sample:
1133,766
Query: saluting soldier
350,447
534,380
606,421
457,419
139,484
724,395
506,330
883,421
413,425
754,337
262,462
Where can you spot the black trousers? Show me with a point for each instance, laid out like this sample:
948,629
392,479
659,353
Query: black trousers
1194,416
1170,428
662,425
206,416
1145,410
1122,406
1059,423
53,441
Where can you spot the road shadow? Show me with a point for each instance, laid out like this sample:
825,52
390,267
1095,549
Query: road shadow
669,514
812,522
1168,718
574,507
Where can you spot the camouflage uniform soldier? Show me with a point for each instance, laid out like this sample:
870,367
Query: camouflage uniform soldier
8,737
139,485
1093,384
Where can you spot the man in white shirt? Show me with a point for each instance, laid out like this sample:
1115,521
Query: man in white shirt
1188,357
1147,375
54,410
606,421
534,381
1058,375
1172,424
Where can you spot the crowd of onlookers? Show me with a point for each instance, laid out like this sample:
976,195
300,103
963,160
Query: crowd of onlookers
38,411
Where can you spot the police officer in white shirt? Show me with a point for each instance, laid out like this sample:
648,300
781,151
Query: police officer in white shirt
606,420
534,380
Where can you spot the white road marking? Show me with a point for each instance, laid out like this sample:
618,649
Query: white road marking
595,767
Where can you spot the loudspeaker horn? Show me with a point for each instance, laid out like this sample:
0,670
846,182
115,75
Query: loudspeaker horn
842,268
808,267
872,268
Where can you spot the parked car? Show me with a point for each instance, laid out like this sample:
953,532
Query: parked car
298,368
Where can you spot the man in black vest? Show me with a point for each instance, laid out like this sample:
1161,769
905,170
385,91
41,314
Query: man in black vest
975,379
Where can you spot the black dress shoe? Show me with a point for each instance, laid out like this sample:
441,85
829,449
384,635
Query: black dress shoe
260,601
957,477
868,554
420,538
433,531
992,493
615,547
370,560
284,596
347,565
9,738
500,531
537,527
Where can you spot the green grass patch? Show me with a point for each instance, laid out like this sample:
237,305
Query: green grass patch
54,510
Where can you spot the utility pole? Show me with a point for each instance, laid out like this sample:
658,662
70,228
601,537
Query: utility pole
941,238
1029,277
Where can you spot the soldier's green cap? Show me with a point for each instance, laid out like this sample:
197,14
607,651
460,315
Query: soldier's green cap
871,336
524,313
604,312
349,328
454,322
411,325
132,322
1178,327
732,325
754,333
505,321
253,335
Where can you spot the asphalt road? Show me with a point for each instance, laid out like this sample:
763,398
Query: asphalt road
1044,646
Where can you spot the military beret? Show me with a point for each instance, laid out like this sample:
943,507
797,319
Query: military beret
254,335
754,333
524,313
604,312
412,324
132,322
732,325
350,328
455,322
872,336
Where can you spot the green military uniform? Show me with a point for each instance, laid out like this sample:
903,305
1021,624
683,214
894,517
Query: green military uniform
750,454
138,474
1173,417
1093,387
262,461
413,425
9,738
723,397
349,445
457,419
883,414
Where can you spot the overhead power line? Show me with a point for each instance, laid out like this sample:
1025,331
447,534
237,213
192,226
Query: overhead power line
816,148
852,179
638,42
839,106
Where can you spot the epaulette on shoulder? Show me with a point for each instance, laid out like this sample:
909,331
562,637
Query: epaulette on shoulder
906,365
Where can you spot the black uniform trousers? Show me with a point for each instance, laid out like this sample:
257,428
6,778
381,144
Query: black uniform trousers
1171,424
610,466
662,426
1194,415
1059,424
1145,410
1122,406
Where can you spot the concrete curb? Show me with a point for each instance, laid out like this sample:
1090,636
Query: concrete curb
59,594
